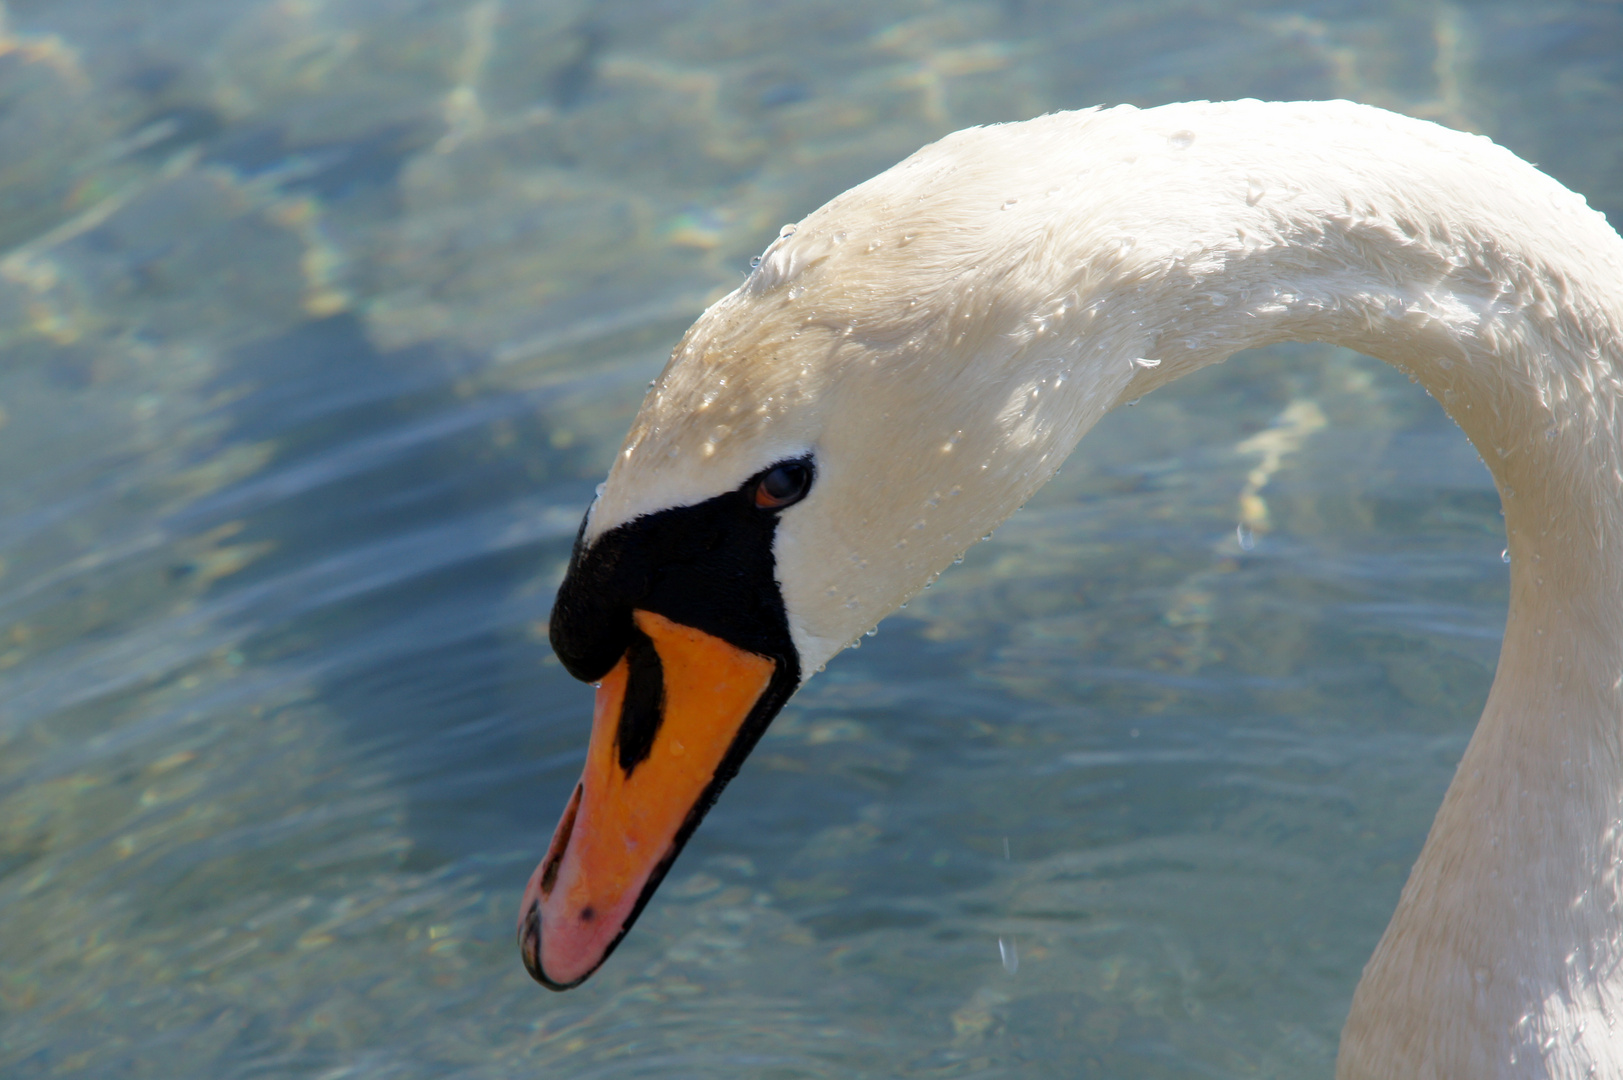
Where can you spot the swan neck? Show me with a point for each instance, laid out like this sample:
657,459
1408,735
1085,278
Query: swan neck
1500,293
1504,950
1503,298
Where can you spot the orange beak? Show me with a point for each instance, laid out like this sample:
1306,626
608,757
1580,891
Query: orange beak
661,729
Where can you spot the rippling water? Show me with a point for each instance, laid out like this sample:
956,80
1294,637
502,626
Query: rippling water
320,320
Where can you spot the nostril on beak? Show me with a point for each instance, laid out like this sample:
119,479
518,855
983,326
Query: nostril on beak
529,944
560,843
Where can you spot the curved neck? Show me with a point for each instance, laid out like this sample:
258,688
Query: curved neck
1502,294
1515,326
942,336
1486,281
956,324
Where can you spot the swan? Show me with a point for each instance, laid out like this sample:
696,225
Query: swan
907,365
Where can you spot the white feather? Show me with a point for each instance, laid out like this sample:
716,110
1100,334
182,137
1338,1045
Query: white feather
941,337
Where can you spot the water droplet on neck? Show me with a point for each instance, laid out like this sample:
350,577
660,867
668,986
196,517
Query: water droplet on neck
1245,537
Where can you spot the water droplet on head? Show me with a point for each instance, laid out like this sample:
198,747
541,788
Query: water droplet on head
1504,556
755,263
1008,203
1181,140
1245,537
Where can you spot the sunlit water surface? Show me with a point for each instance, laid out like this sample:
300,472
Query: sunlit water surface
320,321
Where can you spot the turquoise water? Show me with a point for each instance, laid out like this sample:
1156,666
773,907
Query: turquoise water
320,320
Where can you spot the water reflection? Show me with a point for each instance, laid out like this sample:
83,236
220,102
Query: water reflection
321,322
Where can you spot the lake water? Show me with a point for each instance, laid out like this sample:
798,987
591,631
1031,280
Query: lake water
321,319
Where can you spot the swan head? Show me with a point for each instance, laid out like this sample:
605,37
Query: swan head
900,373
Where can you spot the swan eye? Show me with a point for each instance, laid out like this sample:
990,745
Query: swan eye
783,485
